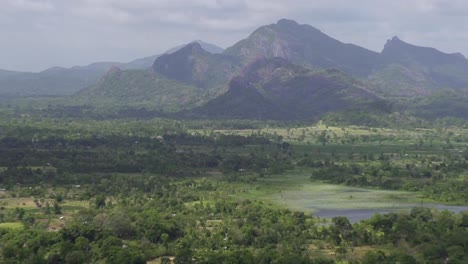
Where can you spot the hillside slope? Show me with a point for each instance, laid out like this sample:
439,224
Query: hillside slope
276,89
140,89
195,66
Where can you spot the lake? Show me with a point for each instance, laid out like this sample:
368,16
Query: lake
356,215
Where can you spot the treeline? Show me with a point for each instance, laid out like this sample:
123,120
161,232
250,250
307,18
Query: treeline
57,160
439,175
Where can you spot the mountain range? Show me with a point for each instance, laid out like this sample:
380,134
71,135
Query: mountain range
60,81
281,71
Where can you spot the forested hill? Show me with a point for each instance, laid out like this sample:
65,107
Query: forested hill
276,89
195,66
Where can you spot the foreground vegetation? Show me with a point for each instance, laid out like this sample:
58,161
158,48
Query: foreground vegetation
162,191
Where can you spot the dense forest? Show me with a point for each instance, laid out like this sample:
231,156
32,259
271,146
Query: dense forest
165,191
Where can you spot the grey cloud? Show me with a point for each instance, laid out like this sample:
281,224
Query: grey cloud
29,5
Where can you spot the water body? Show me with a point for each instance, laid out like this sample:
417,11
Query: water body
353,215
356,215
356,203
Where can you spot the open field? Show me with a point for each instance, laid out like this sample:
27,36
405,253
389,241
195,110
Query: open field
295,189
309,134
12,226
29,204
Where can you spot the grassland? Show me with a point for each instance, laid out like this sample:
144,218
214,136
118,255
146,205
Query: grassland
294,190
308,133
12,226
36,207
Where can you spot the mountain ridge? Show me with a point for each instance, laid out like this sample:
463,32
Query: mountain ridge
195,66
304,45
274,88
61,81
282,70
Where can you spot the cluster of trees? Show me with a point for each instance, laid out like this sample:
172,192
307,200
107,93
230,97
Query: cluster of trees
197,221
436,237
57,160
439,174
135,228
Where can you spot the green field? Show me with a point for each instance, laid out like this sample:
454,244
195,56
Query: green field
296,191
12,226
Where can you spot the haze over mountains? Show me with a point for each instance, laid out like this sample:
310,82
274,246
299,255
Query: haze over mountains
281,71
59,81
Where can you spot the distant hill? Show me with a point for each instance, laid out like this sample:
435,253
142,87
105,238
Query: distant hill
276,89
59,81
55,81
170,85
140,64
307,46
147,62
6,74
396,50
139,89
211,48
195,66
412,70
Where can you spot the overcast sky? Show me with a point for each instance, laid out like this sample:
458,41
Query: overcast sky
37,34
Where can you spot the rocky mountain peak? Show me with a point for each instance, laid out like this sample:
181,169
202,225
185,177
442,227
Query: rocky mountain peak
193,48
398,50
287,22
393,43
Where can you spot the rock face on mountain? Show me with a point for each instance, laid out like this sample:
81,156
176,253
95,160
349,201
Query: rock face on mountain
195,66
306,46
396,50
276,89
